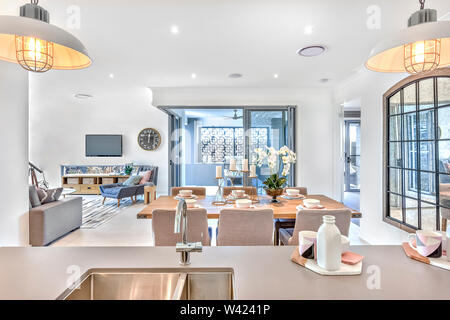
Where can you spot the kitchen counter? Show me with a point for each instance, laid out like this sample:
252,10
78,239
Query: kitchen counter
260,272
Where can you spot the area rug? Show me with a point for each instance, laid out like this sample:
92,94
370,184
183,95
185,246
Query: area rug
95,213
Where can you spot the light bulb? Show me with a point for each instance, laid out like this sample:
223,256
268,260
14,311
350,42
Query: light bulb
419,52
34,54
422,56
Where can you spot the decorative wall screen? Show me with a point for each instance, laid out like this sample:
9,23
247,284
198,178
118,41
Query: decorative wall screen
216,143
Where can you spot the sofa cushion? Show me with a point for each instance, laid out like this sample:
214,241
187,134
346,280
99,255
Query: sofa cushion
132,181
112,191
146,177
34,198
50,195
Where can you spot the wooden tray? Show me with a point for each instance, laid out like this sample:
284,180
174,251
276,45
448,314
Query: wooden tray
441,262
345,270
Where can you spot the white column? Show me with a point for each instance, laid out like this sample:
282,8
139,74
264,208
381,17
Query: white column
14,155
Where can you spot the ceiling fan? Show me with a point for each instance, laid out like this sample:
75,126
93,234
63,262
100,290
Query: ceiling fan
235,117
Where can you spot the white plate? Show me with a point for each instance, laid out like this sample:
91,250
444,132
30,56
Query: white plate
288,197
300,207
178,197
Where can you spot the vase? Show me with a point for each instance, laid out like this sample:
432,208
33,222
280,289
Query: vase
274,193
329,249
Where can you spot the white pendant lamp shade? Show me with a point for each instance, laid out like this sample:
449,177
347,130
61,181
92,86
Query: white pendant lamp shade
394,54
67,52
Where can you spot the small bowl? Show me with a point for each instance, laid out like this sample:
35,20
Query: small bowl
190,203
311,203
185,193
293,192
243,203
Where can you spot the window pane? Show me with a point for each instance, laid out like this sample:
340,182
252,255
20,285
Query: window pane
444,123
427,156
395,180
410,157
410,183
395,210
426,94
428,215
409,123
428,186
409,98
394,104
444,156
426,119
412,217
395,124
443,91
444,190
395,154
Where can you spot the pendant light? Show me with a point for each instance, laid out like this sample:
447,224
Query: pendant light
31,41
422,47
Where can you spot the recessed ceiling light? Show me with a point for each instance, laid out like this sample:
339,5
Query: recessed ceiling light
111,75
82,96
324,80
235,75
275,76
309,29
194,75
174,29
311,51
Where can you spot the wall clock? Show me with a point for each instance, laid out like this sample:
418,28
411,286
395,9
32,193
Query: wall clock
149,139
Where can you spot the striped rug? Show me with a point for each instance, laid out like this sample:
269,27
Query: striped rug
95,213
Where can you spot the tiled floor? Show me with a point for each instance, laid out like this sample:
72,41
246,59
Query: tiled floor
125,229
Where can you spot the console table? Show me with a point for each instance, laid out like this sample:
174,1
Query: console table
90,183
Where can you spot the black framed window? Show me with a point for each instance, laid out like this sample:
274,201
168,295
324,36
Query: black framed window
418,153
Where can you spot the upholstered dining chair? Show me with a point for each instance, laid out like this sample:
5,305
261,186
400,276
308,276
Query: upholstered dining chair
163,225
198,191
248,190
311,220
287,223
245,227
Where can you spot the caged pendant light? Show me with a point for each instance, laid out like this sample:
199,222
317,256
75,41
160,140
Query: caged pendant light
31,41
422,47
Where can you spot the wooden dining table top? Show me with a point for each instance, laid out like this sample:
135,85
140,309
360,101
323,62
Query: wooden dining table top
285,209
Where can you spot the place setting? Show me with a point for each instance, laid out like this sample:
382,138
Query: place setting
293,194
310,204
185,195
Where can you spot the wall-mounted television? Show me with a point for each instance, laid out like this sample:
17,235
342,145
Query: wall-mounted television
103,145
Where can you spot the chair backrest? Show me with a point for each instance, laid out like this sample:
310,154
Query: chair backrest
198,191
302,190
245,227
311,220
248,190
163,225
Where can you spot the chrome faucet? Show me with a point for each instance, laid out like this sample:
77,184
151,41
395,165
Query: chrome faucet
184,247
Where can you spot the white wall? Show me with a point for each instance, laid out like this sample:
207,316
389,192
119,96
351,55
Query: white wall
59,123
14,155
370,87
315,119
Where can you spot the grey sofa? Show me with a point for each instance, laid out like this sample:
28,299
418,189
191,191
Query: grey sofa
53,220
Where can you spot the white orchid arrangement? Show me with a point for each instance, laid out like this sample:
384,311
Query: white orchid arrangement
272,156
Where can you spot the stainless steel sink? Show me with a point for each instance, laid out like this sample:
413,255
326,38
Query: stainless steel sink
153,284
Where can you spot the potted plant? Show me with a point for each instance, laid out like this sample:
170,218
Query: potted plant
128,170
274,184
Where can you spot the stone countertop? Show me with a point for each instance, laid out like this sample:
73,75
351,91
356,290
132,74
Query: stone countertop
260,272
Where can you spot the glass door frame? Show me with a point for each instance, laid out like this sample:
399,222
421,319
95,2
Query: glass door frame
348,155
175,169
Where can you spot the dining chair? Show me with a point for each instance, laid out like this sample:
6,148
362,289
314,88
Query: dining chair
163,227
198,191
287,223
311,220
245,227
248,190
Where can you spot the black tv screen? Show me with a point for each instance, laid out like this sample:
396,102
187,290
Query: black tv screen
102,145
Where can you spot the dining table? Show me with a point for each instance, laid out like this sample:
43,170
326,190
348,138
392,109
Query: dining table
284,209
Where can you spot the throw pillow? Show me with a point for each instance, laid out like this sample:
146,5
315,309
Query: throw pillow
132,181
146,177
50,195
34,198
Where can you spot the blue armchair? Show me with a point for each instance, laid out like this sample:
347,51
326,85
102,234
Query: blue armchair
119,190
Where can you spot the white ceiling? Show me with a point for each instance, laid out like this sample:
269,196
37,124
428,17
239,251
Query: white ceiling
132,39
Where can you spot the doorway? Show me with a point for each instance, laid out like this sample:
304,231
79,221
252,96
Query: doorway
352,166
205,137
